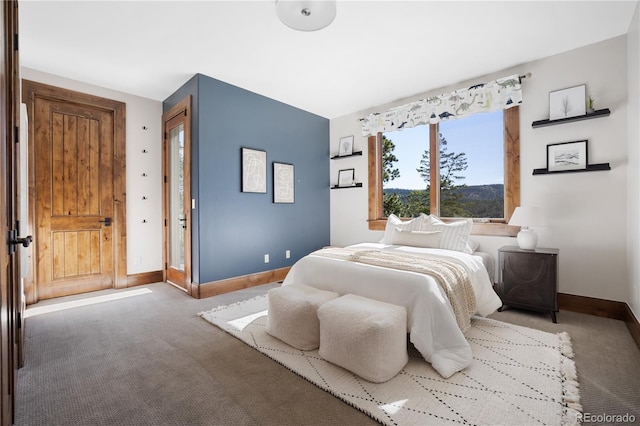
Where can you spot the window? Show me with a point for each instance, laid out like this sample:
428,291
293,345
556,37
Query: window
455,172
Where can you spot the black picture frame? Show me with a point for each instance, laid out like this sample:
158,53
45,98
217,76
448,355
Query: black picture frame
346,146
567,156
283,183
346,177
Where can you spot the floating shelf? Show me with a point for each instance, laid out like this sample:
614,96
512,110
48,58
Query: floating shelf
590,168
357,185
595,114
345,156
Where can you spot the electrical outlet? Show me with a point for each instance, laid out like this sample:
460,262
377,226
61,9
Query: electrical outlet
287,254
266,258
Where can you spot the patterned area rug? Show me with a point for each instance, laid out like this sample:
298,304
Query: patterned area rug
518,375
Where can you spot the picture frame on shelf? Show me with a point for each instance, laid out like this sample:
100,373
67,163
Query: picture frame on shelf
570,102
346,177
346,146
254,170
283,183
567,156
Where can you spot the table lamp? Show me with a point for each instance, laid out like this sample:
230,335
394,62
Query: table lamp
526,217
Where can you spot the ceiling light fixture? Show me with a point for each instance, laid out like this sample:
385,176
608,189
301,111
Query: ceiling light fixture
306,15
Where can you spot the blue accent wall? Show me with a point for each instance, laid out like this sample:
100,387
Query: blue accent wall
232,230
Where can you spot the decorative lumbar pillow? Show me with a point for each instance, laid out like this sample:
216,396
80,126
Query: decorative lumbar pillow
428,239
455,235
394,222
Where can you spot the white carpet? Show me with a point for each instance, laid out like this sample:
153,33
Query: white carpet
519,376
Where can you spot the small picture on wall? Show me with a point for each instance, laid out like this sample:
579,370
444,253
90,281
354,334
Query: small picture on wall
346,177
566,103
254,170
283,183
346,146
567,156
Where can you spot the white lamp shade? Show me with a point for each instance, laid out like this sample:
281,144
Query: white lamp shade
306,15
526,216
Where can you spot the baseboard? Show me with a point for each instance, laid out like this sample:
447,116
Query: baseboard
602,308
592,306
144,278
633,325
201,291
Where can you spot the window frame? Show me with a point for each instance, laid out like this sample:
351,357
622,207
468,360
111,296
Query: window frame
495,227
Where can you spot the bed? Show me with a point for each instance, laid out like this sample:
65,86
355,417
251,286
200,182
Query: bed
432,324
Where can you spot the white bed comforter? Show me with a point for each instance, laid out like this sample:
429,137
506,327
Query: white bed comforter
431,322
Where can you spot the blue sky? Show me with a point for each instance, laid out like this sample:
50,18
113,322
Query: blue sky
479,136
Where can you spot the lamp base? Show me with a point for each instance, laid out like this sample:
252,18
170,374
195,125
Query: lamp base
527,239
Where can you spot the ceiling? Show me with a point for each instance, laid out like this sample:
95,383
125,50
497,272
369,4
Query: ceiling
373,53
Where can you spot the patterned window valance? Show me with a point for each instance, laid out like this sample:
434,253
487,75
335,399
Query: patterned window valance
499,94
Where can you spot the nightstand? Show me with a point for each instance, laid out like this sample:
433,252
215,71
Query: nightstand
529,279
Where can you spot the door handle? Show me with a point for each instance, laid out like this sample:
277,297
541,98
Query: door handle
26,241
106,221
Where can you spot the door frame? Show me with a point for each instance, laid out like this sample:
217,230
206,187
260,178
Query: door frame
182,107
32,90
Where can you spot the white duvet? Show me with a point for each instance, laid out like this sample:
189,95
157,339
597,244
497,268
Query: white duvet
431,323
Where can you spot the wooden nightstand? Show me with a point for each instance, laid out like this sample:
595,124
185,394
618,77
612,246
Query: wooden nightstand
529,279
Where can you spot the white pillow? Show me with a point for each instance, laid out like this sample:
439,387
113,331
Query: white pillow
472,246
394,221
416,238
454,234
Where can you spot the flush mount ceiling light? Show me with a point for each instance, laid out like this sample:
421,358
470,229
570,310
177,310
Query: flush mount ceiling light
306,15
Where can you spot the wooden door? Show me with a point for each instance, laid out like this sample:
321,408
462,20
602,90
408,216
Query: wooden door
10,290
177,194
75,200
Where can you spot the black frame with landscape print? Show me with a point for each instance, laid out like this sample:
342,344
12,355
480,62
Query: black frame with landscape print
566,156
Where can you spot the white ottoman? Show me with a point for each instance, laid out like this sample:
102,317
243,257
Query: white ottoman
365,336
293,316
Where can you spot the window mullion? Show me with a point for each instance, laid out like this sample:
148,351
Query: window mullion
434,167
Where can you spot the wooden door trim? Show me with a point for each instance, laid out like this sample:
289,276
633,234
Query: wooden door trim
32,90
182,107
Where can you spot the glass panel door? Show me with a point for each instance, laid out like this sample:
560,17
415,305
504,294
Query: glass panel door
177,215
177,194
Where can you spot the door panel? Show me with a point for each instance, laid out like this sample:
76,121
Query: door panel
77,191
74,197
177,194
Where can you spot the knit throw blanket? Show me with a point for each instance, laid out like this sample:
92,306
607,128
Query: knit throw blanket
452,277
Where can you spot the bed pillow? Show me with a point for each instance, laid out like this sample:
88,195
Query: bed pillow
455,235
472,246
394,221
429,239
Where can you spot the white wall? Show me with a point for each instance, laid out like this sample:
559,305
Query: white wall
633,193
586,212
144,240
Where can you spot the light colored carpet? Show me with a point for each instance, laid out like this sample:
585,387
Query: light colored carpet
518,375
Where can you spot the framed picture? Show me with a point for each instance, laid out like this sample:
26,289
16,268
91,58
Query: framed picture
254,170
283,183
345,177
567,156
566,103
346,146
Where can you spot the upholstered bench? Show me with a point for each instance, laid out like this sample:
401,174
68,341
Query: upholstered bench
293,316
365,336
